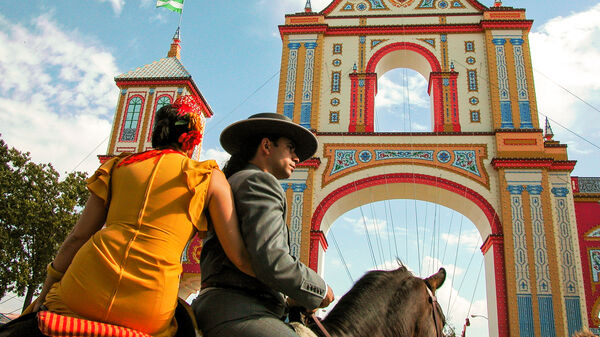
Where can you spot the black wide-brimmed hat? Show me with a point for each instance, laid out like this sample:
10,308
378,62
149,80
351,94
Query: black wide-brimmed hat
268,123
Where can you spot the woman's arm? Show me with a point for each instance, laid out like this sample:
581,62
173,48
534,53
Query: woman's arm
91,221
222,213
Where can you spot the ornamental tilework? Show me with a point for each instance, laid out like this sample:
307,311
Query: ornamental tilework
589,185
503,87
347,158
307,90
377,4
568,270
426,4
343,159
595,264
290,85
594,234
522,91
521,262
407,154
542,270
466,160
296,219
401,3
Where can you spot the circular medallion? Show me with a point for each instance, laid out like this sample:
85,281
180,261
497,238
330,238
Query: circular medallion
470,60
365,156
401,3
474,100
361,6
443,156
442,4
337,62
335,101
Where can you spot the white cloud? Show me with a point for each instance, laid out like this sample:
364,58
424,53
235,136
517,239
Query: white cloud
390,91
468,240
117,5
57,93
374,226
220,156
565,50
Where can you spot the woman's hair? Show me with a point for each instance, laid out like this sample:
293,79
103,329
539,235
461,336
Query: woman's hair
165,133
242,157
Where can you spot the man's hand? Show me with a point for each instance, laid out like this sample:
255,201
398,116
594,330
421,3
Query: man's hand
328,298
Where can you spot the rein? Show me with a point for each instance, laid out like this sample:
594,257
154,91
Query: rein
321,327
434,307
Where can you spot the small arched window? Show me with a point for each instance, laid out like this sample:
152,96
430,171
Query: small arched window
131,119
162,101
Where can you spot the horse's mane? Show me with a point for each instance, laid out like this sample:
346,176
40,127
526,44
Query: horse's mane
367,305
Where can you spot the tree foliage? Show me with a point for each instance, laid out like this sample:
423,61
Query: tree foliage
37,211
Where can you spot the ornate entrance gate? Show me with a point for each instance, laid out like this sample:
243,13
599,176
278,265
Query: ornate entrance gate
486,157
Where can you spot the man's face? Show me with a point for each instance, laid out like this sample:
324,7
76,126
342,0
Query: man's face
282,158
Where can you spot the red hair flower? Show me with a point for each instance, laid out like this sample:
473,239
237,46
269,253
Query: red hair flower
189,140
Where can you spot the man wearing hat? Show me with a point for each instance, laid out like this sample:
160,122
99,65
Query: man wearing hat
264,148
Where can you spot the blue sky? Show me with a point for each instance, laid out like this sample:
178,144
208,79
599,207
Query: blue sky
57,100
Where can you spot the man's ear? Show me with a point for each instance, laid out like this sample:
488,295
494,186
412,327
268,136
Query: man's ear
265,145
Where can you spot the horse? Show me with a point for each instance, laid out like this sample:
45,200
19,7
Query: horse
385,304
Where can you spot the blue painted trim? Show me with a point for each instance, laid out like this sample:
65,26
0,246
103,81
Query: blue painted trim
560,192
310,45
285,186
573,314
288,110
305,112
294,45
546,308
499,42
517,42
525,316
535,189
506,113
515,189
299,188
525,115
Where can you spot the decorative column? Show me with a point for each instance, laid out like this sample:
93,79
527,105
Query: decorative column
503,87
543,283
523,93
443,88
307,89
290,84
296,219
568,256
524,300
362,98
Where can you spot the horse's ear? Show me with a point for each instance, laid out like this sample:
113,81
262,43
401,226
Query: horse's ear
436,280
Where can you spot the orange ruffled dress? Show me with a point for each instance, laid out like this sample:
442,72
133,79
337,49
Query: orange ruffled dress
128,272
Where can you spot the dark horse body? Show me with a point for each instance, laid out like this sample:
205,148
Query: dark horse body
385,304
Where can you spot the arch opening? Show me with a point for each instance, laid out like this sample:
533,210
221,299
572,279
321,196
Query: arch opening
374,235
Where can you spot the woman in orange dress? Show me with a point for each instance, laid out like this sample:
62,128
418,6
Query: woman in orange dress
150,205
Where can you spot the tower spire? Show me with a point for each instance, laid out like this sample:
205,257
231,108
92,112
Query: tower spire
548,134
175,50
308,7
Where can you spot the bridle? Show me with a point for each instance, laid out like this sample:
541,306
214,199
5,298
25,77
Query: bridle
435,306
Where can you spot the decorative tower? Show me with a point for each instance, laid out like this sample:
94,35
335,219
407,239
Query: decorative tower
144,91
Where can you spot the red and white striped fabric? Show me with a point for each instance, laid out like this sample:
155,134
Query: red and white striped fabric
55,325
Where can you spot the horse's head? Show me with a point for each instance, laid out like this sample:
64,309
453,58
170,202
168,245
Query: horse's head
389,303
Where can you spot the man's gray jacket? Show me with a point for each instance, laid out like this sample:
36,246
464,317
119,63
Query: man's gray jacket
261,210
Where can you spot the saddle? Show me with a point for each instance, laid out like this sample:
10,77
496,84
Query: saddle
54,325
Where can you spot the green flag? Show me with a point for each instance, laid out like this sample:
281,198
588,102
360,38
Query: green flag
174,5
